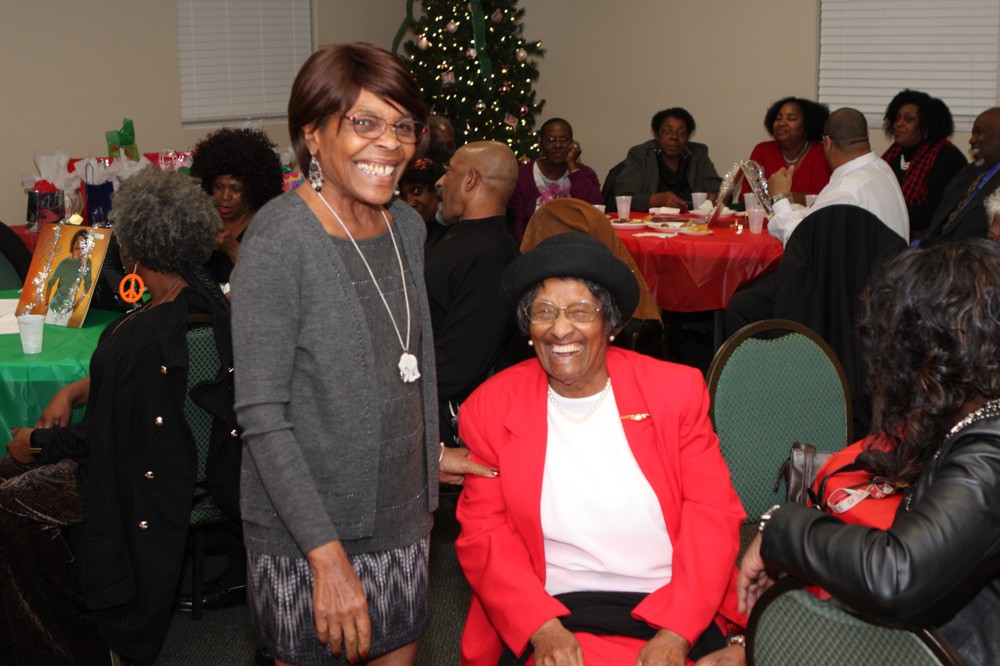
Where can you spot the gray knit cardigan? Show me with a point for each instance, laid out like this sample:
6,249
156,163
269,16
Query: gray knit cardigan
304,396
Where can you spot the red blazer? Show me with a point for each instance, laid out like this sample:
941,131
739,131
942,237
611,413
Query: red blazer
501,548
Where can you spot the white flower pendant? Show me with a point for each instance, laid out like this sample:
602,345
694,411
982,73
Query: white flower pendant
408,371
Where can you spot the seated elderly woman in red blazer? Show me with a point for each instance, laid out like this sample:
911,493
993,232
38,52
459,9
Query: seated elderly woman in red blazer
609,535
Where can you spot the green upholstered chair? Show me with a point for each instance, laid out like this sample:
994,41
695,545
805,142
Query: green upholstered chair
203,364
790,625
773,383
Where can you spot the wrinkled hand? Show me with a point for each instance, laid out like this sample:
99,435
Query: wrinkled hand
340,609
734,655
455,464
672,200
20,444
780,181
664,649
753,579
556,646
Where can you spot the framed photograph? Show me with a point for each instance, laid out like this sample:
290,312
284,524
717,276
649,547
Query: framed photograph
64,272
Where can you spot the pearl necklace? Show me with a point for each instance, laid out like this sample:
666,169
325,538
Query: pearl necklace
903,164
581,418
789,162
408,370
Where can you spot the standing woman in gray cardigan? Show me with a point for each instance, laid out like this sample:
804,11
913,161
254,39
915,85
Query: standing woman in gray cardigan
335,384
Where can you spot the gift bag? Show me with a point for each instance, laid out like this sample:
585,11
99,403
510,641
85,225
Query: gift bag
45,204
123,141
97,198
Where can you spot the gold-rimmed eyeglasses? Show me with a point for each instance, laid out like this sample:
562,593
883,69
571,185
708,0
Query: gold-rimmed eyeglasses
543,312
372,127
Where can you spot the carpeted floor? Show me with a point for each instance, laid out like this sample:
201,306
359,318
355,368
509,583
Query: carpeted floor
224,637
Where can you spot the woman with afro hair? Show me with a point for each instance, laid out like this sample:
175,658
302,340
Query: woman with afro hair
241,171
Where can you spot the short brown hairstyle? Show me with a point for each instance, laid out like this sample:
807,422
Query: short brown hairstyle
331,80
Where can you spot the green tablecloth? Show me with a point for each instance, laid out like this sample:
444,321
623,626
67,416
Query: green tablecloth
28,382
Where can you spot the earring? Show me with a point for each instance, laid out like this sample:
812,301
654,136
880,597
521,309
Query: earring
611,338
131,287
531,343
315,174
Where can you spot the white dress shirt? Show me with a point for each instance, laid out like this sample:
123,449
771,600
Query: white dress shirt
866,182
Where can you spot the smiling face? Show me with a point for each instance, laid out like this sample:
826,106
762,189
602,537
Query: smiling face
906,131
789,126
356,168
574,356
423,197
672,137
985,139
227,195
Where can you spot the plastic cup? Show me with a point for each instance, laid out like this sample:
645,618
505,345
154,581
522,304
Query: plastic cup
31,328
755,218
750,201
698,198
810,200
600,207
624,204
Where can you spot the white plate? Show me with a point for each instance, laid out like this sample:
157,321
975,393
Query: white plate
693,232
666,226
627,225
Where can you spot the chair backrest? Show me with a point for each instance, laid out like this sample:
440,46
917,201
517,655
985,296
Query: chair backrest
608,191
203,364
826,265
9,279
773,383
790,625
17,256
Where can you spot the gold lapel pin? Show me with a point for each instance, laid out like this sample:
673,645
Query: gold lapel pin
634,417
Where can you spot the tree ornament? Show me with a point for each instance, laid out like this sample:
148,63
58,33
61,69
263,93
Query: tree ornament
504,89
451,27
472,53
422,43
521,55
480,106
524,110
444,66
448,78
510,120
496,16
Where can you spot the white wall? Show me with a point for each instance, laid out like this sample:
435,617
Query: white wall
73,70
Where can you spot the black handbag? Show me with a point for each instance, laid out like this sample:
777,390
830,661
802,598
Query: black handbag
799,472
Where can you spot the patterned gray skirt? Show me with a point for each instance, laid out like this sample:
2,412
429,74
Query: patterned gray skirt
281,602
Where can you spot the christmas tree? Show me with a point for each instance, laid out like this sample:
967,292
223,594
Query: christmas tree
475,67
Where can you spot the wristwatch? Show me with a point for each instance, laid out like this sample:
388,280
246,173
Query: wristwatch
778,197
766,517
737,639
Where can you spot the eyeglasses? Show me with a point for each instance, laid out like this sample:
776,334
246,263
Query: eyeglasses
542,312
557,140
371,127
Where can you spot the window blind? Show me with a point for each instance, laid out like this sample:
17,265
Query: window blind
238,58
872,49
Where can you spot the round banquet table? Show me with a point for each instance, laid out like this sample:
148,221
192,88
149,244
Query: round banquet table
28,381
698,273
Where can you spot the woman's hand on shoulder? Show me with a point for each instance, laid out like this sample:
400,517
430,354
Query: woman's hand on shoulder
556,646
664,649
734,655
340,609
456,464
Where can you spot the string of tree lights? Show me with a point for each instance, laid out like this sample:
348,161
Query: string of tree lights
475,67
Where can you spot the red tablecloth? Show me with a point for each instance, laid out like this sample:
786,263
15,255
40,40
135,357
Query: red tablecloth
697,273
30,239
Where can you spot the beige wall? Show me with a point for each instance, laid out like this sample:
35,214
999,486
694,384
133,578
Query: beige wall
73,70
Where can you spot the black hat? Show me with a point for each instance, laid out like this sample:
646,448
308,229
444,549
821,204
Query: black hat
571,255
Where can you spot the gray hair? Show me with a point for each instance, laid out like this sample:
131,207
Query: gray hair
611,315
992,205
164,220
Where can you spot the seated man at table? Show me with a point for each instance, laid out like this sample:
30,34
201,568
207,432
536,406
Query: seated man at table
961,212
463,269
860,178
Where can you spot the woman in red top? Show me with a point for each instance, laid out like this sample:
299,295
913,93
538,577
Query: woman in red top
797,127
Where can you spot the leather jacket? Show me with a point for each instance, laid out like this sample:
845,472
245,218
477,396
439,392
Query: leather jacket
939,562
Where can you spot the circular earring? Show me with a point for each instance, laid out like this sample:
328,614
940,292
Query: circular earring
531,343
611,338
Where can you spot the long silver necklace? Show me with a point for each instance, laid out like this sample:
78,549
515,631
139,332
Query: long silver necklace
798,157
408,370
581,418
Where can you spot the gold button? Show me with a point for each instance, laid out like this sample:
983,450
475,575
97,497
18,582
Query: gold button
149,474
158,420
163,369
230,370
143,524
234,433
